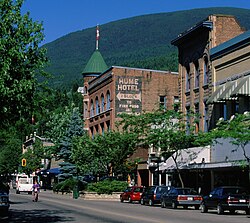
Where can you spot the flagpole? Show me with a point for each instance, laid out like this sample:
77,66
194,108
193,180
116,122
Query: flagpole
97,37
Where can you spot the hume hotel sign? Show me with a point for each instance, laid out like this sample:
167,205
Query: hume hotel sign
128,94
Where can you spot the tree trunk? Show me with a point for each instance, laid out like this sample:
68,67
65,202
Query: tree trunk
179,173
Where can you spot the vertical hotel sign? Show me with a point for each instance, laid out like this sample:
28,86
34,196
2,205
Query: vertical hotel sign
128,95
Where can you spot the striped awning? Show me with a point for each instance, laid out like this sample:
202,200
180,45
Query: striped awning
216,94
243,87
227,93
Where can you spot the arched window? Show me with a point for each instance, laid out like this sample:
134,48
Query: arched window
108,100
187,79
102,103
91,109
85,90
197,74
205,71
97,108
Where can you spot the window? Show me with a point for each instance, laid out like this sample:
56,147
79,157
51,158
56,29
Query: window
188,120
225,111
205,117
91,109
102,103
187,80
97,108
108,100
205,71
102,127
108,126
197,118
176,103
163,102
197,75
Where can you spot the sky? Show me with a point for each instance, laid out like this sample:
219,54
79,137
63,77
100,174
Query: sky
60,17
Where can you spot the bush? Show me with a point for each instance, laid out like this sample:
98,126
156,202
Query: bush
68,185
107,186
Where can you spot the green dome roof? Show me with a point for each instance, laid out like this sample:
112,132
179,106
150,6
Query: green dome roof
96,64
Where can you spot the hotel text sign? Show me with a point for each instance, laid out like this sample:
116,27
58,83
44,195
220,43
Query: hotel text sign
128,94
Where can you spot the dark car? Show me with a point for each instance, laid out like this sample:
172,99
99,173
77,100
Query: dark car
184,197
152,194
132,194
226,198
4,202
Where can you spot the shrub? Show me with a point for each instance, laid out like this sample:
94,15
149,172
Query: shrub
68,185
107,186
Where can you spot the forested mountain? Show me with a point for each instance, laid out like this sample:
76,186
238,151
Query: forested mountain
142,41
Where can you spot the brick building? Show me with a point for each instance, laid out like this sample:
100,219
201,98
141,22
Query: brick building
124,89
195,79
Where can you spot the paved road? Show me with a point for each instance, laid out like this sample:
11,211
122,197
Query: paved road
52,208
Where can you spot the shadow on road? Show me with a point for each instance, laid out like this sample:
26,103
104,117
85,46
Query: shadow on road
35,216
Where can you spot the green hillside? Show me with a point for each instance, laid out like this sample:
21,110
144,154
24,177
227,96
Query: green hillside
142,41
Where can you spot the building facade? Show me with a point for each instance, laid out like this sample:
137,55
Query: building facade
195,79
127,90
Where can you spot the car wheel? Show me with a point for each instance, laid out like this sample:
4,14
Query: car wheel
17,192
203,208
129,200
121,199
151,203
174,206
247,211
163,205
219,209
196,207
142,201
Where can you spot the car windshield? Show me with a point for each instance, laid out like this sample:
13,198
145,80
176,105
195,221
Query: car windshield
234,191
138,189
186,191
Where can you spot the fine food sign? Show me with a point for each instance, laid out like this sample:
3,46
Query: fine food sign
128,95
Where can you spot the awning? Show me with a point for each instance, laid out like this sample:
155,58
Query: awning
243,87
53,171
216,94
187,157
230,87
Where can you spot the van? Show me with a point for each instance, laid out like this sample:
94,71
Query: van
24,183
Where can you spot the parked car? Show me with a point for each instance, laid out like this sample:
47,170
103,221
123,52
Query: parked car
4,198
87,178
152,194
226,198
132,194
184,197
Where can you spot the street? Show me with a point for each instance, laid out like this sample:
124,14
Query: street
63,208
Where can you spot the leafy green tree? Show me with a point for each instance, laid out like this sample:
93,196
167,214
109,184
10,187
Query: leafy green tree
165,131
34,157
21,58
105,154
10,151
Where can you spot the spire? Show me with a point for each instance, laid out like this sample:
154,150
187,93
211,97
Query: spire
96,64
97,37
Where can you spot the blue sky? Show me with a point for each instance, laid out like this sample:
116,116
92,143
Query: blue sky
61,17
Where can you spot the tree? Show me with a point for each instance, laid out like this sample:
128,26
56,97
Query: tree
165,131
74,129
104,154
10,151
237,129
21,59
